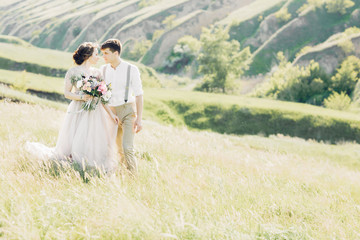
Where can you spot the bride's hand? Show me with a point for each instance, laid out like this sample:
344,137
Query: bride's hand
85,98
116,119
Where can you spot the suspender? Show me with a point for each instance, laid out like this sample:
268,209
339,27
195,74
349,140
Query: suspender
127,81
127,84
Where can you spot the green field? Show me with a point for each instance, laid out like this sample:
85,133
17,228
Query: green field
191,185
211,166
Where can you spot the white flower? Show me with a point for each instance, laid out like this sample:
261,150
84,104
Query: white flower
79,84
107,96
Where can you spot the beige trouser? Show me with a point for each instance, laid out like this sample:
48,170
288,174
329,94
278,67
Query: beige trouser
125,135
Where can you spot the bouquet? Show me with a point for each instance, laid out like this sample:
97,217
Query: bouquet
93,86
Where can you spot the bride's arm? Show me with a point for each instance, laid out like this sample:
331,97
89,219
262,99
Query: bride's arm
70,95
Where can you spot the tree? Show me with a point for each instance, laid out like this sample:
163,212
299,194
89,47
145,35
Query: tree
339,6
346,76
220,60
183,53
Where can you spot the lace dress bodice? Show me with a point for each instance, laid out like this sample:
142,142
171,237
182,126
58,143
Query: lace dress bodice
79,71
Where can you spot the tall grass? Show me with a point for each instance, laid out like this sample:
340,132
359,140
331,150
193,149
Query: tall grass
191,185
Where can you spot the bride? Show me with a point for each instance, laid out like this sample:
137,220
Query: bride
87,136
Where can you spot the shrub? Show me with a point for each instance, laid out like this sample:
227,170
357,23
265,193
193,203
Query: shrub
157,34
283,15
347,46
76,31
292,83
139,49
339,6
346,76
338,101
169,21
183,53
21,82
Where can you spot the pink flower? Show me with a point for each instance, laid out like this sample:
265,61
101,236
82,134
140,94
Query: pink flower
102,88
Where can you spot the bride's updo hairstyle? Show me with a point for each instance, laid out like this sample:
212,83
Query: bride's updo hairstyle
84,51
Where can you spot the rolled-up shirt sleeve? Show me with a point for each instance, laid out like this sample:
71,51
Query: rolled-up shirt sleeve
136,84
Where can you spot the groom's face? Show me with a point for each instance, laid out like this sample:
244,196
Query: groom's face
109,56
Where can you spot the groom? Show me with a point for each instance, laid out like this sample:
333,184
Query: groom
126,100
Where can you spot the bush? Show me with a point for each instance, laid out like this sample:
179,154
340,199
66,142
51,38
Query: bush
183,53
339,6
76,31
139,49
283,15
338,101
169,21
346,76
292,83
21,82
347,46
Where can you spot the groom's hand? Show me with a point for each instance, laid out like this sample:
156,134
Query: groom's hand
137,125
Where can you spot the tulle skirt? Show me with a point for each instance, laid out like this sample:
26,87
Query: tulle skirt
86,137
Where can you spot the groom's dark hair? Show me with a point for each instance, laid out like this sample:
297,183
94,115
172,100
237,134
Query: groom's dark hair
113,44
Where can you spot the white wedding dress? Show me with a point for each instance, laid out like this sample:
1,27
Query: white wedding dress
86,137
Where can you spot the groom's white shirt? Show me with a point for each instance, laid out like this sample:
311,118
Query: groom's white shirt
117,77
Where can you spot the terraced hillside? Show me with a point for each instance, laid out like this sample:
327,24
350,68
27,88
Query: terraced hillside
330,54
63,24
305,26
267,27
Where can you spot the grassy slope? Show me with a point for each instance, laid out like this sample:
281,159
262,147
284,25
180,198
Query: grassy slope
17,50
40,56
33,81
230,114
191,185
317,50
49,84
249,11
228,100
222,113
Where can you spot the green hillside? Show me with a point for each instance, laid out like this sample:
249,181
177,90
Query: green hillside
211,166
267,27
191,185
225,114
63,24
306,27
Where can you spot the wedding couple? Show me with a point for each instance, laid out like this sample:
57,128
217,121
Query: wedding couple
97,137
